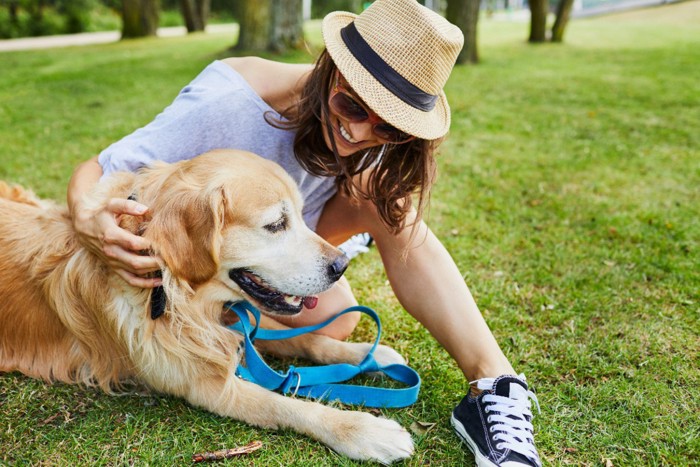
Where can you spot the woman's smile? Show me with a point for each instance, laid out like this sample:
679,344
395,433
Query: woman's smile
346,137
345,134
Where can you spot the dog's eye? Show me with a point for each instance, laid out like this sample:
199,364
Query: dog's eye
277,226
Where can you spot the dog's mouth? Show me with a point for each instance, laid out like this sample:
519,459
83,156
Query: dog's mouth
267,297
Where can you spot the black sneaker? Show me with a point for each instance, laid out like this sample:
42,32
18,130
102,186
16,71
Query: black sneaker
496,424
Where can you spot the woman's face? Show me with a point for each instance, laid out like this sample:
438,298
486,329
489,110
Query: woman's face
356,127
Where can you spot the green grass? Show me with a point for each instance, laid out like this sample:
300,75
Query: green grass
568,195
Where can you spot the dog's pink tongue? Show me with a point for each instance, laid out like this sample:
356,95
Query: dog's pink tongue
310,302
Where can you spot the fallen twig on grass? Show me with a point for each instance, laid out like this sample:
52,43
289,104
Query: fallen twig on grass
227,453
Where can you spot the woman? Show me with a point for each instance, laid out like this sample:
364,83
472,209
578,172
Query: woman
357,131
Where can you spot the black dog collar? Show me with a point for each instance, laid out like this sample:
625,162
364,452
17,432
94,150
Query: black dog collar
158,297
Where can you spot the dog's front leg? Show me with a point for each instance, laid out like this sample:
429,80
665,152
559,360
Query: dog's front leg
355,434
323,349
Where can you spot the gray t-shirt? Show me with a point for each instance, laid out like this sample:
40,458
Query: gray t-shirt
218,110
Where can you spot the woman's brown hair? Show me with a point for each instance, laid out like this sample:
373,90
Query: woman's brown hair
398,170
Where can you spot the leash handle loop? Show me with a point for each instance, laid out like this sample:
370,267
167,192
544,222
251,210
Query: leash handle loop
321,382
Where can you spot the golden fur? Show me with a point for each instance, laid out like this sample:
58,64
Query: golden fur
65,316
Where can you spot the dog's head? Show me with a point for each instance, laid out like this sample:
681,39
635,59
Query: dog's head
233,217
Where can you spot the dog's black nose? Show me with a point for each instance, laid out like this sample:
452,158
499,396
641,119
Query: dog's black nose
338,267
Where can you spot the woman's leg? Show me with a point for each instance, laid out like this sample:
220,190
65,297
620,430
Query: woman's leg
426,282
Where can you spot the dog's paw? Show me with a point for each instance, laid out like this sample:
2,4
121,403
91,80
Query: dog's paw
363,436
385,355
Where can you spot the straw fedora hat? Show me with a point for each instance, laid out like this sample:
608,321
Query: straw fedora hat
397,56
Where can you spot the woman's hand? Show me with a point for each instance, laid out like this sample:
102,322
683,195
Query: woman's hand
99,230
121,250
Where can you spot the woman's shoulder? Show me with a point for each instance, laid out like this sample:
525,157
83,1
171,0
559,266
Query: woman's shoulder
279,84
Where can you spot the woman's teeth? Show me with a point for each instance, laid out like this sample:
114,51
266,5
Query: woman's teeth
345,134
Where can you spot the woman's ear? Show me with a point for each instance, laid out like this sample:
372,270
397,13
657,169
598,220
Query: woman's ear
186,233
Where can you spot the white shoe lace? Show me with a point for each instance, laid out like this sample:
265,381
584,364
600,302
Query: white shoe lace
355,245
510,417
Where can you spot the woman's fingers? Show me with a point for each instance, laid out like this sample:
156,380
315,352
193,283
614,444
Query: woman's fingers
114,236
121,258
137,281
123,251
126,206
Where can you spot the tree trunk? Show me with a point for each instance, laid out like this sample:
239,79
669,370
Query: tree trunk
36,15
562,19
190,13
195,13
538,20
356,6
254,22
12,7
465,15
77,15
139,18
287,26
204,8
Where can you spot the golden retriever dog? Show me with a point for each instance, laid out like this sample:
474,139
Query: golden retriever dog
225,226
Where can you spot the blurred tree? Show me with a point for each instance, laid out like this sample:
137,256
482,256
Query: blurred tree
320,8
270,25
562,19
46,17
465,15
139,18
77,14
254,23
195,13
287,26
35,8
538,20
12,11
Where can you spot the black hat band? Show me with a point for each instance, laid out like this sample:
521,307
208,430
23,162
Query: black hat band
384,73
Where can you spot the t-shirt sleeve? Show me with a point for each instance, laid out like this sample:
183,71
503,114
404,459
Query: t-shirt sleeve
204,116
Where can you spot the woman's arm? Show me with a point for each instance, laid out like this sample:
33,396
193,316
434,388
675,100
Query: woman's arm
99,231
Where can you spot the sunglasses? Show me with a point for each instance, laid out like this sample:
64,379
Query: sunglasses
345,103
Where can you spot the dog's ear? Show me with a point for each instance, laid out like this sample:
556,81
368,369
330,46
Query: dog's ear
185,232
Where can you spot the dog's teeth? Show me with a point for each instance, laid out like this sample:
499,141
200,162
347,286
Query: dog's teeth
292,299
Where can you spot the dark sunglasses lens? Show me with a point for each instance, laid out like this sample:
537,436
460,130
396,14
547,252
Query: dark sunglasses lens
348,107
390,133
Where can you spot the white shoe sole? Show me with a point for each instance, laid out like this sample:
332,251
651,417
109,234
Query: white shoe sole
481,461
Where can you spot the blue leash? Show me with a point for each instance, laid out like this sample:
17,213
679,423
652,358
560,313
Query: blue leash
322,382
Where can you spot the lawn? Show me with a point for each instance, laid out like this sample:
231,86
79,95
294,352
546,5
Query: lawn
568,195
